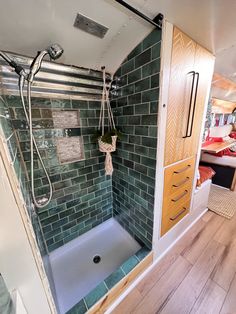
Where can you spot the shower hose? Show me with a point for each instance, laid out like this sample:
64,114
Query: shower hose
46,200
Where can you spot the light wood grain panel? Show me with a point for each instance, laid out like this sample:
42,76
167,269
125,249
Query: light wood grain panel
210,300
177,174
225,269
208,215
174,216
183,53
229,306
227,232
146,284
221,82
233,185
129,303
189,290
218,147
164,288
192,252
102,305
222,106
204,63
178,180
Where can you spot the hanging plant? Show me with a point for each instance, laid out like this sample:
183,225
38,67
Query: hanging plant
107,139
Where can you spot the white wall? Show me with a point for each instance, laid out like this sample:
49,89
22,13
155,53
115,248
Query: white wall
17,264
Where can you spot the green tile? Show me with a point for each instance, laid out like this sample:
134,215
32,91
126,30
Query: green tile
153,38
141,168
155,80
141,130
127,90
142,108
141,150
156,51
151,68
115,277
134,76
149,119
154,107
150,95
128,110
152,131
95,294
129,264
143,58
149,142
127,66
80,104
46,113
142,85
136,51
134,99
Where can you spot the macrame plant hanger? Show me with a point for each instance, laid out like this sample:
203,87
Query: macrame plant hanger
106,107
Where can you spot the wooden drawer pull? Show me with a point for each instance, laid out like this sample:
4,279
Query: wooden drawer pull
180,196
179,214
183,169
180,183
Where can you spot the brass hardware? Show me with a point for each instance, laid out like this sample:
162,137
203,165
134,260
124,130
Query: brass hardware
183,169
179,214
180,196
180,183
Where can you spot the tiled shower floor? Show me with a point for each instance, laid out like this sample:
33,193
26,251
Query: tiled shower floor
74,272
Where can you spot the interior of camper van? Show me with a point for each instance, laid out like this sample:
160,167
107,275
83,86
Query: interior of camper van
117,157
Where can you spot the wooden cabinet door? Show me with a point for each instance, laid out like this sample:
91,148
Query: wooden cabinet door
182,65
204,64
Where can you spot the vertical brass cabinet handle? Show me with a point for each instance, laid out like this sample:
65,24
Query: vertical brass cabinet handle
180,196
183,169
179,214
180,183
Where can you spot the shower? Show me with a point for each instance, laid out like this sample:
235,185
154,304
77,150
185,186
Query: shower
54,51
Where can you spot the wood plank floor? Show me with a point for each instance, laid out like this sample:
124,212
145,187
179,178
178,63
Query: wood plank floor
198,275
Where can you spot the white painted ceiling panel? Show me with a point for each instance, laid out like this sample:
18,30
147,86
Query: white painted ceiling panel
27,26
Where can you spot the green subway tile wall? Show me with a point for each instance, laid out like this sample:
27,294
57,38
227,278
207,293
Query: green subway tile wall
7,132
82,194
135,106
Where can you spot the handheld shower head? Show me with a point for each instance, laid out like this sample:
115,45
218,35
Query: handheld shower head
54,51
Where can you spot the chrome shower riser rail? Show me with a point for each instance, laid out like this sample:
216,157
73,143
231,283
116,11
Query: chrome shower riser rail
54,80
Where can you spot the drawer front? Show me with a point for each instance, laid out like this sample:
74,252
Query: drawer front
178,181
174,216
176,199
178,175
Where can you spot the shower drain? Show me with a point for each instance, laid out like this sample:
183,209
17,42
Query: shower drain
97,259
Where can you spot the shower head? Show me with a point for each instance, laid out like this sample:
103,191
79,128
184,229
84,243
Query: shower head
54,51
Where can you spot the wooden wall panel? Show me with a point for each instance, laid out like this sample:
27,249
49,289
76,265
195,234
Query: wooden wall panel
204,62
183,51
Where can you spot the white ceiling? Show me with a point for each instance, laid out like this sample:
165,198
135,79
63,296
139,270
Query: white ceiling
27,26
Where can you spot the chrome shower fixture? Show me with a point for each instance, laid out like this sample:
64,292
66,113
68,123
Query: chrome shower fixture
54,51
18,68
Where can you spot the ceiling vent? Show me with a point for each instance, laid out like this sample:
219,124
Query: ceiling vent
84,23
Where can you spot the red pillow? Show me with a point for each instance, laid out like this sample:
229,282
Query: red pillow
205,174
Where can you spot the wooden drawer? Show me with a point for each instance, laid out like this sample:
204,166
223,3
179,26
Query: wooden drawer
178,181
174,216
178,175
173,201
